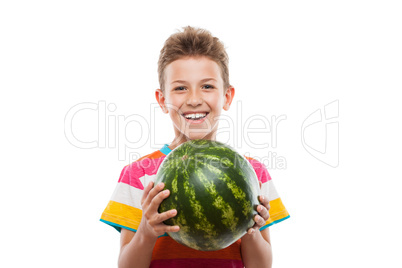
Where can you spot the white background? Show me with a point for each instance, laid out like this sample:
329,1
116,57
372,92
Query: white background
286,58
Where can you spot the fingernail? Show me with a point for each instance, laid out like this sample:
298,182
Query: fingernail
166,192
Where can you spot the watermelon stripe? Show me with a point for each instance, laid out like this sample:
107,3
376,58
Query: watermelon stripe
236,189
236,198
224,208
194,216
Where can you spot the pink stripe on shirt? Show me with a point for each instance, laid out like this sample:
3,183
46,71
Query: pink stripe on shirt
132,173
260,170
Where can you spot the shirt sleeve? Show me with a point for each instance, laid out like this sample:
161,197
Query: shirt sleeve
277,211
124,208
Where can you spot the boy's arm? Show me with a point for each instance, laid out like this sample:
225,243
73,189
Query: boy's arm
255,244
135,249
256,249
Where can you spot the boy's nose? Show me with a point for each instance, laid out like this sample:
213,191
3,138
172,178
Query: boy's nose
194,99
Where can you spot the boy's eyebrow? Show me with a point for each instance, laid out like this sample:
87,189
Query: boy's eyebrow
203,80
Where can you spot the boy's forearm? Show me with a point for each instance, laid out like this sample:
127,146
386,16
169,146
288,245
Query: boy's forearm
137,253
256,251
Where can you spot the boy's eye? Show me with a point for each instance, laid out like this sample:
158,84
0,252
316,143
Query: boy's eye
180,88
208,87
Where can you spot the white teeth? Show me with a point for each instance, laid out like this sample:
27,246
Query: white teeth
195,116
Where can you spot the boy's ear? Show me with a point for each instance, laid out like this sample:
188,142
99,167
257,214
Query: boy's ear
161,100
230,92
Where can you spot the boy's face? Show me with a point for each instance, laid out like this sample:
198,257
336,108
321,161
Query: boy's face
194,97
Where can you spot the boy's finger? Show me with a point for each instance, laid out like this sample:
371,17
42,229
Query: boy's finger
154,191
163,228
157,200
259,220
146,191
263,212
264,201
167,215
172,228
252,230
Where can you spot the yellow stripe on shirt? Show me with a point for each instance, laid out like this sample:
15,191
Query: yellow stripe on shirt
122,214
277,211
130,217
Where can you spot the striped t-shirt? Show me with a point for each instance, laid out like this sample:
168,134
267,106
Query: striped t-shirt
124,211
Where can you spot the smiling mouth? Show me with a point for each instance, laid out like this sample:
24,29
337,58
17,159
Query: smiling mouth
195,116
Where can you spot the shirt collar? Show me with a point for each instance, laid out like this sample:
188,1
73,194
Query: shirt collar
165,149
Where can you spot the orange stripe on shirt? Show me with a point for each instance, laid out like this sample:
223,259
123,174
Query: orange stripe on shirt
154,155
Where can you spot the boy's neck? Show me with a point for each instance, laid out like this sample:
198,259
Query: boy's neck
174,144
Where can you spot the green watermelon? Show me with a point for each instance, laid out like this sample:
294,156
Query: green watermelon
215,191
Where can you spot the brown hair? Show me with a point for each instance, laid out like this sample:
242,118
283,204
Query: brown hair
193,42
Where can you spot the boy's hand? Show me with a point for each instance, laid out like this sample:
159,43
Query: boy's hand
152,224
263,214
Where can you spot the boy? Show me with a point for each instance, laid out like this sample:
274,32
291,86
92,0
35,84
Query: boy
194,88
